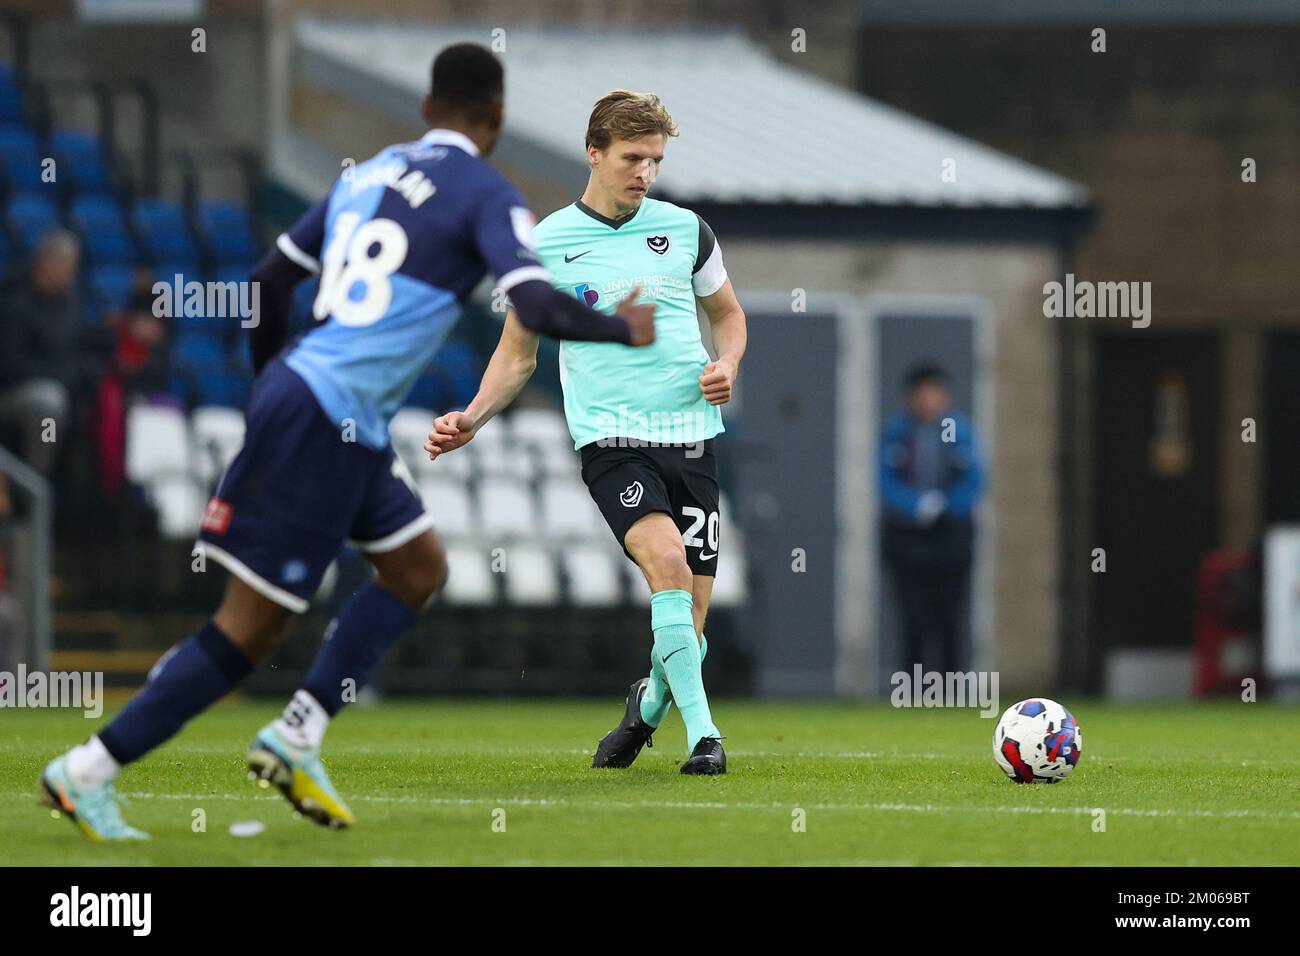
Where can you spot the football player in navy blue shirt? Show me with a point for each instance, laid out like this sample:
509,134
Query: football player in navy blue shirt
398,244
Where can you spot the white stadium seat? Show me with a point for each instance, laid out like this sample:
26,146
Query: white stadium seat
218,433
530,576
407,431
469,576
558,459
540,427
506,508
569,513
505,458
593,576
157,444
179,501
449,501
454,464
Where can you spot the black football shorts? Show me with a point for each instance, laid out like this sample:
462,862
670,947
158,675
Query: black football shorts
628,482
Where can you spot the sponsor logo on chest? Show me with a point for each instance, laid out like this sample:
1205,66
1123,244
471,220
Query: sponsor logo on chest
606,271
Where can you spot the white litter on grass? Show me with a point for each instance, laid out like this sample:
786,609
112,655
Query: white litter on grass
247,828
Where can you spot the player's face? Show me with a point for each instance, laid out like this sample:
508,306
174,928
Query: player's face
627,168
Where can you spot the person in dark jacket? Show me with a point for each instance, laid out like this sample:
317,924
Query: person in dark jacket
931,477
40,321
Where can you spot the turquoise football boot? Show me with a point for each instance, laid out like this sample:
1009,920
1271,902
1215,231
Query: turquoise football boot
299,775
94,809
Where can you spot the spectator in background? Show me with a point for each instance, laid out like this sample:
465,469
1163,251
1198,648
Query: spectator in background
930,481
140,368
40,320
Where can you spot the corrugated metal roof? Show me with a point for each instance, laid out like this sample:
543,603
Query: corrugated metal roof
1103,13
752,128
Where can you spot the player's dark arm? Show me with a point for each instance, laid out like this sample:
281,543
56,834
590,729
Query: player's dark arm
276,275
545,311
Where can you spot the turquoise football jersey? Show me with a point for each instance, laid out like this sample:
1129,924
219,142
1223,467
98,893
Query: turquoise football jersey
611,391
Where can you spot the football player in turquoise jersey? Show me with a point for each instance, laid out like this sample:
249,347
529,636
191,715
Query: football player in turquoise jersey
644,420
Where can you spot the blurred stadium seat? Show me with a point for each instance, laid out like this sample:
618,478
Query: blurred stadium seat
81,158
469,580
20,161
159,458
164,233
30,217
448,500
99,221
228,233
593,575
531,577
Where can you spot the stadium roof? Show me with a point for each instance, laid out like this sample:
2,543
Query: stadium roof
1104,13
754,130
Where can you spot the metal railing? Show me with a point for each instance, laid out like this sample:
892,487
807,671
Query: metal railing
39,636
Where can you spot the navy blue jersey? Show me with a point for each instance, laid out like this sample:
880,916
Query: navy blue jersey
399,243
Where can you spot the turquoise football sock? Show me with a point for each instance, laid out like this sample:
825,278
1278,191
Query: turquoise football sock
658,697
678,650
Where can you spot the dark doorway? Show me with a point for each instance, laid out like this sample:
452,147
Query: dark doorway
1279,436
1155,506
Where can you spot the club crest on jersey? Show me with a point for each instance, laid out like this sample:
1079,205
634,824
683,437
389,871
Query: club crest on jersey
658,244
631,496
217,515
585,292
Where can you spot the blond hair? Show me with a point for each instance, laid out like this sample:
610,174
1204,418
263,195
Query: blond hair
624,114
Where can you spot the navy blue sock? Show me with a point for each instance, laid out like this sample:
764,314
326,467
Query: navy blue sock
186,681
366,627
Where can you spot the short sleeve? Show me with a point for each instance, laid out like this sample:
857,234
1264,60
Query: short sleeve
708,275
504,236
302,243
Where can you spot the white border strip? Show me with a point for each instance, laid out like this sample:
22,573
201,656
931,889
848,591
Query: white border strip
254,580
407,532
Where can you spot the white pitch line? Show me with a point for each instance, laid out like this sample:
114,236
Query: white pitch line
433,750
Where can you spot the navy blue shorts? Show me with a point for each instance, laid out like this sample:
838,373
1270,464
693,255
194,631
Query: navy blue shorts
297,491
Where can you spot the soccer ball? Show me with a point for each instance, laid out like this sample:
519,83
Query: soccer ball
1037,741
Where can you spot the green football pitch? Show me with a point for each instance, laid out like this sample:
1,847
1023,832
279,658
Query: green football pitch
472,782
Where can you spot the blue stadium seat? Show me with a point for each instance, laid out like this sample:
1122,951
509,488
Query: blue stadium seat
20,161
99,221
30,217
221,322
111,285
240,273
81,159
163,231
11,98
450,381
199,347
206,374
228,389
228,231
